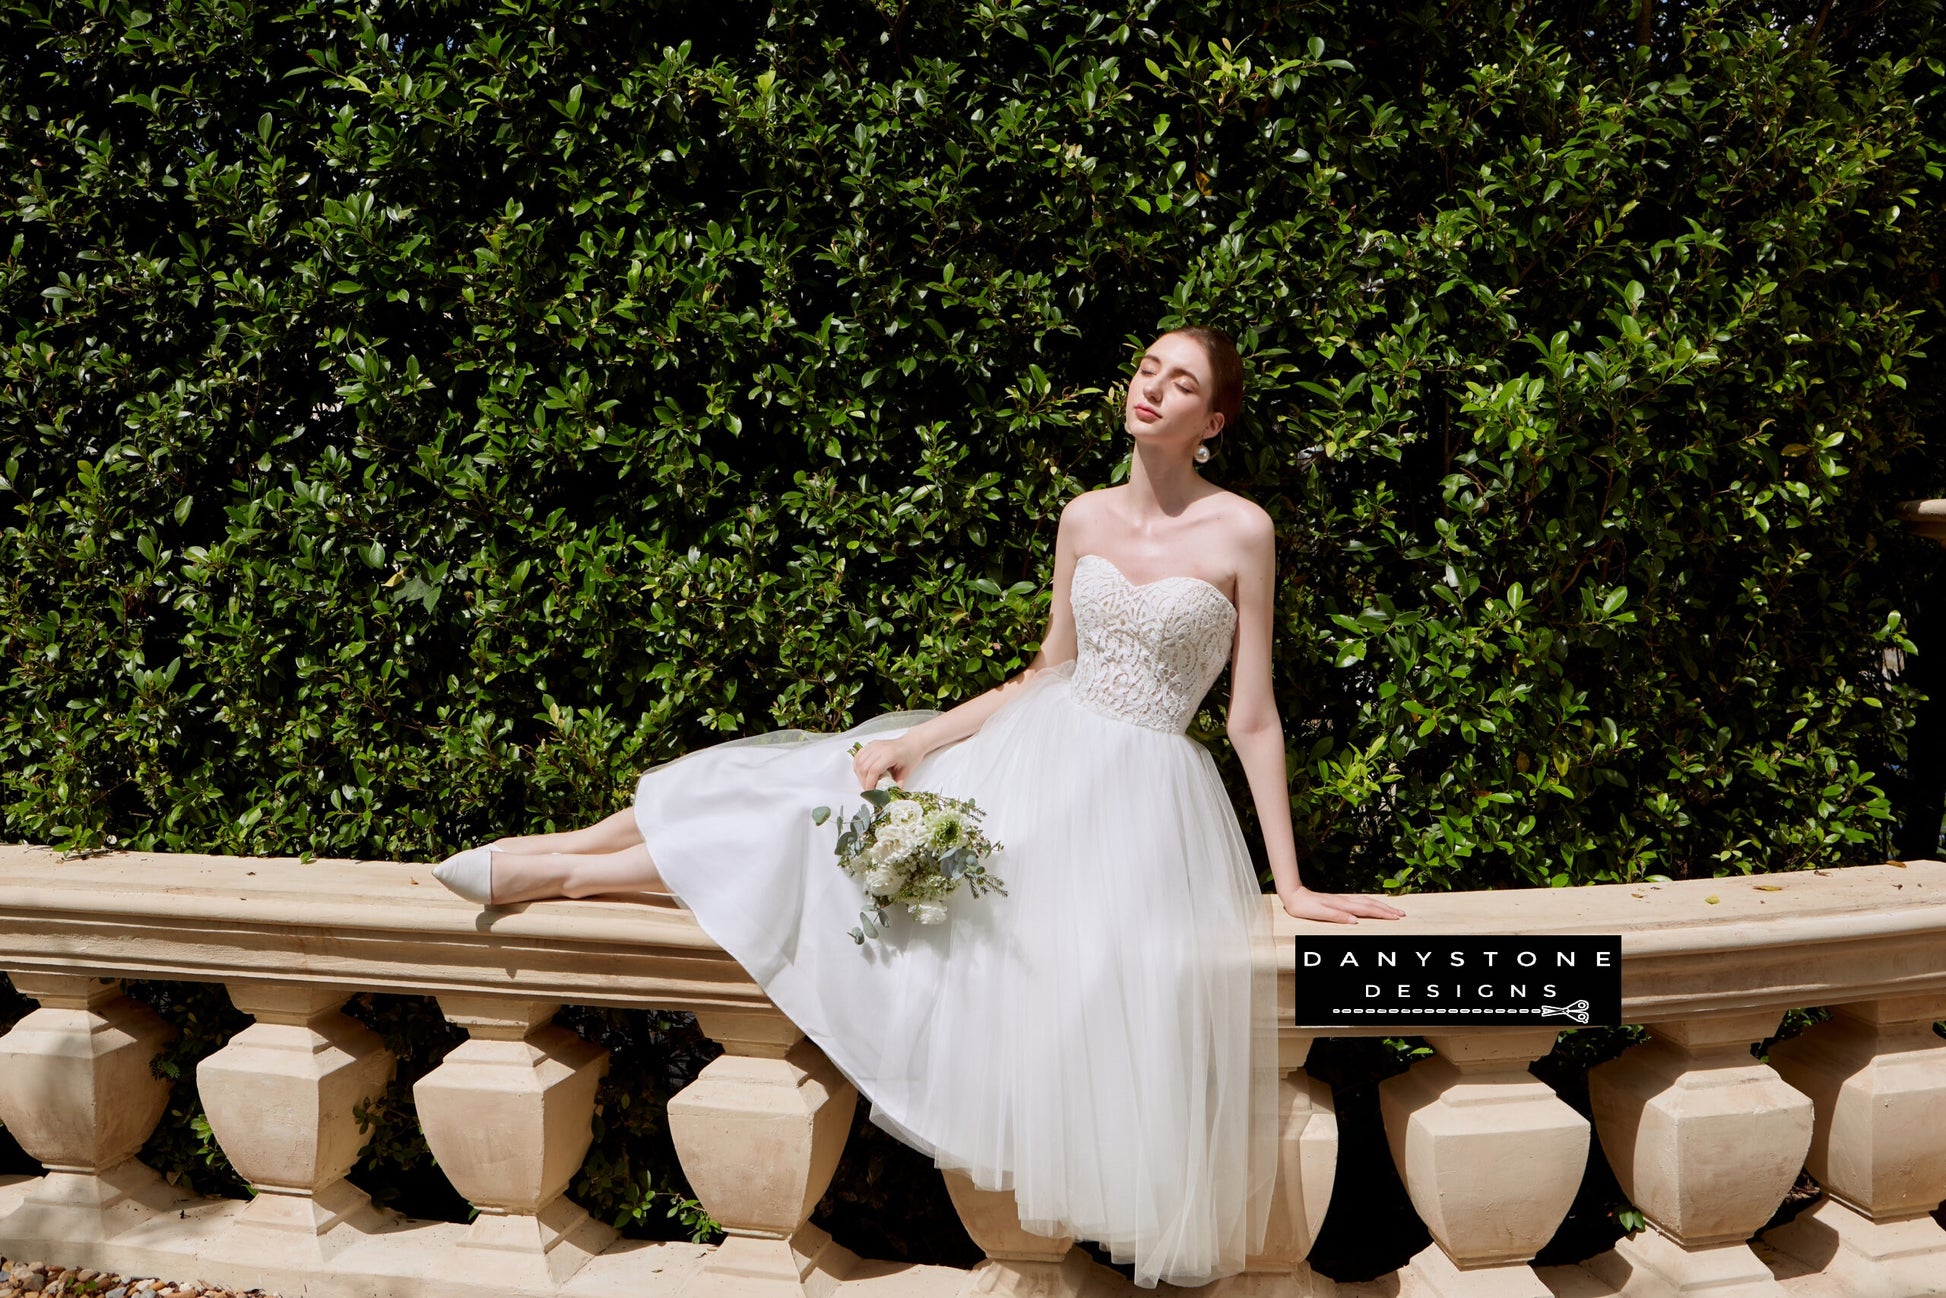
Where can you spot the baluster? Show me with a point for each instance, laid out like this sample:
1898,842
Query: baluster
509,1115
279,1097
1706,1141
759,1133
1876,1072
1307,1164
1018,1262
1490,1156
77,1092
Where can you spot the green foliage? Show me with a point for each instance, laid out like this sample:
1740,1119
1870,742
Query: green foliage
183,1147
417,424
631,1177
416,420
395,1166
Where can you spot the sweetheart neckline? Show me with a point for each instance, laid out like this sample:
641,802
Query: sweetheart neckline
1144,585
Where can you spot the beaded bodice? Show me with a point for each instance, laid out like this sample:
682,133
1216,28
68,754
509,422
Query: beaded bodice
1147,654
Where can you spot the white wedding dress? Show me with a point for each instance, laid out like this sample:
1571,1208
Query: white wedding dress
1102,1038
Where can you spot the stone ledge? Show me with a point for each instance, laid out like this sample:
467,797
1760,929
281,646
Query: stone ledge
1777,941
1768,941
364,925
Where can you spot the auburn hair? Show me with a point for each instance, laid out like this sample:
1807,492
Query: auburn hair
1226,371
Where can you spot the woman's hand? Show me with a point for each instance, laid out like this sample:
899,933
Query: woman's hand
1302,903
883,757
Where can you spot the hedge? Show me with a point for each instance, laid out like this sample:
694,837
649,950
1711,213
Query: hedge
419,417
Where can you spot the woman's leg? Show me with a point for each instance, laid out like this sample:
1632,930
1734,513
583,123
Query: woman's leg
611,834
532,876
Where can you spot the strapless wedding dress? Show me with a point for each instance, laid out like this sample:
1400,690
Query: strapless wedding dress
1101,1040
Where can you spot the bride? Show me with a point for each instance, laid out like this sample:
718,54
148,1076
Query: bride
1101,1039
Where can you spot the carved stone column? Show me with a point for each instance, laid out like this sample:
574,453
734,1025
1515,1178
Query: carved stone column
1706,1141
279,1097
1019,1263
1491,1157
77,1092
509,1115
1877,1073
1307,1164
759,1133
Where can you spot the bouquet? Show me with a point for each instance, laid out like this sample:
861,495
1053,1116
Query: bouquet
912,849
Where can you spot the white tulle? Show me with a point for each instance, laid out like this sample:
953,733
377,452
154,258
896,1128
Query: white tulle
1101,1040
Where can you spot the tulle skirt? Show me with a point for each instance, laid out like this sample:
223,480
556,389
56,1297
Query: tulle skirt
1101,1040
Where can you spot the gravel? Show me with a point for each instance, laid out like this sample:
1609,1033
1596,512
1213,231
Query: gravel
51,1280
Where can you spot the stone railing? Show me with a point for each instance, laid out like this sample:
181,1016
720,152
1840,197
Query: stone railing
1704,1138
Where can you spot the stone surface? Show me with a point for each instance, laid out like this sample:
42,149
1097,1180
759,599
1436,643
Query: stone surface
1780,941
759,1132
1019,1263
1705,1140
1876,1072
77,1092
1866,935
1490,1156
280,1097
1649,1264
1307,1157
508,1114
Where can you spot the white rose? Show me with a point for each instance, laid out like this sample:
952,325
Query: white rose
903,810
881,880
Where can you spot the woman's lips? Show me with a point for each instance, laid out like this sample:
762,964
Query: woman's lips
1146,412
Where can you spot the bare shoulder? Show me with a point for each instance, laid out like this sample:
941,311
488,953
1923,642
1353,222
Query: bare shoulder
1082,512
1244,521
1087,504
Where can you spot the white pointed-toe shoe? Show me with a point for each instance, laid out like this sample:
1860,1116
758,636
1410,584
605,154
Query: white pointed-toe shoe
469,873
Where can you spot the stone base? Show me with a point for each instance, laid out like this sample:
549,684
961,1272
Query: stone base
1071,1277
294,1228
1298,1282
416,1259
1648,1264
807,1265
530,1251
1431,1274
1864,1258
87,1207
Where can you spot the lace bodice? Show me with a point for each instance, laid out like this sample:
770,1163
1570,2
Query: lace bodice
1147,654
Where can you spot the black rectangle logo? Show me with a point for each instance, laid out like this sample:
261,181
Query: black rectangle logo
1374,979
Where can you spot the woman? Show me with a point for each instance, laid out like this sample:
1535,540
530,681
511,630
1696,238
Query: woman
1101,1039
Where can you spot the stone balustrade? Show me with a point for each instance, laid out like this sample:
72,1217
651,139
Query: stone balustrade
1704,1137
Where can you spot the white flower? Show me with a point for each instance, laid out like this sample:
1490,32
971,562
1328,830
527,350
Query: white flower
929,912
881,880
902,835
946,829
903,810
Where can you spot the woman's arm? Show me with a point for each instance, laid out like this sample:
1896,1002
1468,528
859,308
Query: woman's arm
897,757
1257,734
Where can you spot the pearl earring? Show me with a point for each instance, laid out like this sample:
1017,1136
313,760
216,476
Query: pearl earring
1202,453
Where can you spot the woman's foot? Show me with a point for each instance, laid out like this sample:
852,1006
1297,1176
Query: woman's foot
469,873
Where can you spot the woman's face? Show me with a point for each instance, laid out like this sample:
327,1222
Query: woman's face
1169,397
